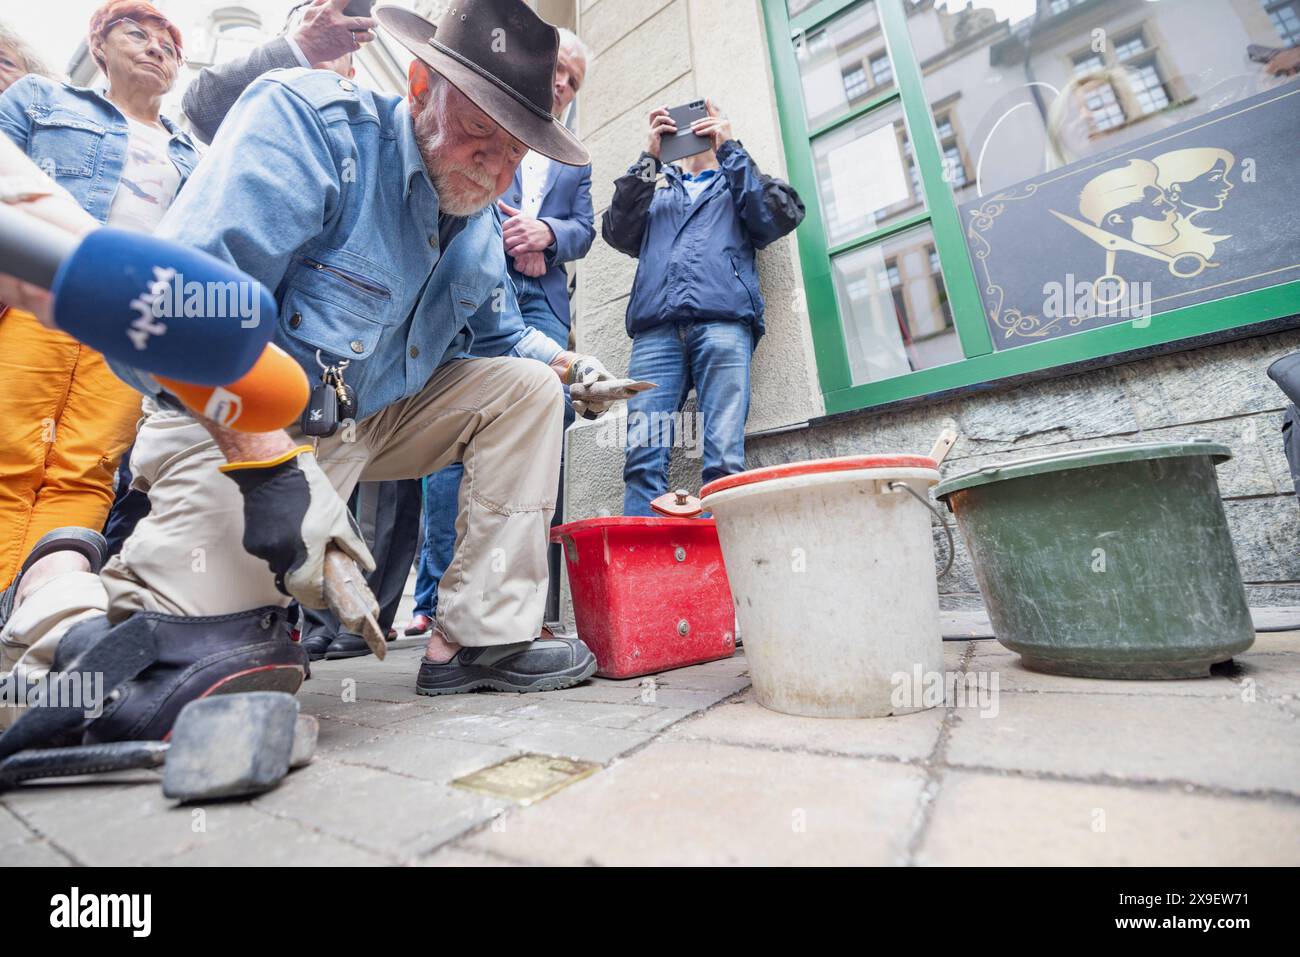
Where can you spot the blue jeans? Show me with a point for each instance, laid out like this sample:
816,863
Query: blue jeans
441,502
442,489
714,357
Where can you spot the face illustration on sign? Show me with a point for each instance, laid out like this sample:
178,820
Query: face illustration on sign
1148,207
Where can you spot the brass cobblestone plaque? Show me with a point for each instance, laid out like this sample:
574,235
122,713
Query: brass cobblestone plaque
528,778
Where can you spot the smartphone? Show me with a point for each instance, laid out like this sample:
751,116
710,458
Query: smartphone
684,143
358,8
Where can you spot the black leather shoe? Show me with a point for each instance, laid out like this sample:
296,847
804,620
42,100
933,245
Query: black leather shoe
547,664
197,657
317,645
347,646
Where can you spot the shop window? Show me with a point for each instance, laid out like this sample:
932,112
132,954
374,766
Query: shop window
1025,165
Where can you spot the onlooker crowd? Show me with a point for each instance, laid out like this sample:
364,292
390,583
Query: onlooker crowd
422,281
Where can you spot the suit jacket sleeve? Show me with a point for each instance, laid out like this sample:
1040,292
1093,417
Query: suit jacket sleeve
623,224
214,91
575,233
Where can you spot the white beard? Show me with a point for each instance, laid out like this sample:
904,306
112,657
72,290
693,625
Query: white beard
455,197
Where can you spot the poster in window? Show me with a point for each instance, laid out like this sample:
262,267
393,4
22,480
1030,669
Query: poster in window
1194,213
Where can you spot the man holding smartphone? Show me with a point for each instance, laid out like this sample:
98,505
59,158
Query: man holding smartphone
318,34
696,312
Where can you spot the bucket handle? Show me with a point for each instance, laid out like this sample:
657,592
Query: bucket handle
952,549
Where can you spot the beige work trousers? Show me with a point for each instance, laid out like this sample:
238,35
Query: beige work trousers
503,418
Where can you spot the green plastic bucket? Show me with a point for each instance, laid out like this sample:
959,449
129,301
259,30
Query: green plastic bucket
1107,563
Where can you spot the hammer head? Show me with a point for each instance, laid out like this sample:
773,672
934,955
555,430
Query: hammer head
232,745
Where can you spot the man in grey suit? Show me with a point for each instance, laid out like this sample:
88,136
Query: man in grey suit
317,35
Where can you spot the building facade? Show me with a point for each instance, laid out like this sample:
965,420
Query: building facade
976,254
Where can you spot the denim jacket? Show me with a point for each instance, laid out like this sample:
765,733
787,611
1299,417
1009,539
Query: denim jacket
315,187
79,138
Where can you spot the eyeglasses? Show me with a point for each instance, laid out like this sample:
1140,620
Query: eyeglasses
140,36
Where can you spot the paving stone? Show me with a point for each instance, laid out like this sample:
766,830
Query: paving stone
607,692
343,737
1276,643
588,712
1277,676
580,742
384,812
420,756
699,803
659,718
375,714
32,854
145,826
13,830
981,819
907,737
686,681
480,728
692,700
993,659
461,857
1214,742
256,840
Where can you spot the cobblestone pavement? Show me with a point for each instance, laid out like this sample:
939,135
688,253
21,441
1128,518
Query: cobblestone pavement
1046,771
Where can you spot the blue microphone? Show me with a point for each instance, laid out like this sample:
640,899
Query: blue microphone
154,305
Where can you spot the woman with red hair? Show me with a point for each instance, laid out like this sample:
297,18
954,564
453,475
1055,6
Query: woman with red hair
68,418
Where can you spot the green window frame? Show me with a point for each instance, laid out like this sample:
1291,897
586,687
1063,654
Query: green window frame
981,363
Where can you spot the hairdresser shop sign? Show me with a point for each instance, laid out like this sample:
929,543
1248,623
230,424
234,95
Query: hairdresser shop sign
1193,213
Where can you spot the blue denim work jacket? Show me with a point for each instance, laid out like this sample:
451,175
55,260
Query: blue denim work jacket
79,138
315,186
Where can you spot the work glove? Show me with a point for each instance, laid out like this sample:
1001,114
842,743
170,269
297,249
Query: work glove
581,373
291,516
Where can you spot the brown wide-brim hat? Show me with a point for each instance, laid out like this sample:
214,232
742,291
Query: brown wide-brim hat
502,56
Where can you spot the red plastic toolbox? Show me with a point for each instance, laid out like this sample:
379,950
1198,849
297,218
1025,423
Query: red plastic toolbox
649,594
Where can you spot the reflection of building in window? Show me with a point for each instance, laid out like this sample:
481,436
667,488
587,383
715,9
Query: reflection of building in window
882,72
855,83
842,63
1286,19
1060,6
1144,73
900,302
954,166
235,32
1145,90
1104,111
940,291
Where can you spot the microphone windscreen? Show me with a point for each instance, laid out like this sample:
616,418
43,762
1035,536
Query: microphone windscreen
271,396
162,307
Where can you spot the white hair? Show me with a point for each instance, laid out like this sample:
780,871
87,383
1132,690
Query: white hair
571,41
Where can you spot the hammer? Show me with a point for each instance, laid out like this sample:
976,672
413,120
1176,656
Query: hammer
352,601
235,745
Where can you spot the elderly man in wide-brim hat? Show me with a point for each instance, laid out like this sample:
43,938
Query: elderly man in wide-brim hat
372,218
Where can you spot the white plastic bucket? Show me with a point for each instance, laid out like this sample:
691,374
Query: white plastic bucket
832,572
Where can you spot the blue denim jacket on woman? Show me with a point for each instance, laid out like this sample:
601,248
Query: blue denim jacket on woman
79,138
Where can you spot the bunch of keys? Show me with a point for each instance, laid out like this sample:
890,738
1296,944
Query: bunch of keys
332,402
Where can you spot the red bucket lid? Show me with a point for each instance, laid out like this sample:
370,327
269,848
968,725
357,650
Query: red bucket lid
851,463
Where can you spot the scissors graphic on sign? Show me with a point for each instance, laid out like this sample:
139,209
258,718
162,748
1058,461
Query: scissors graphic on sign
1193,264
